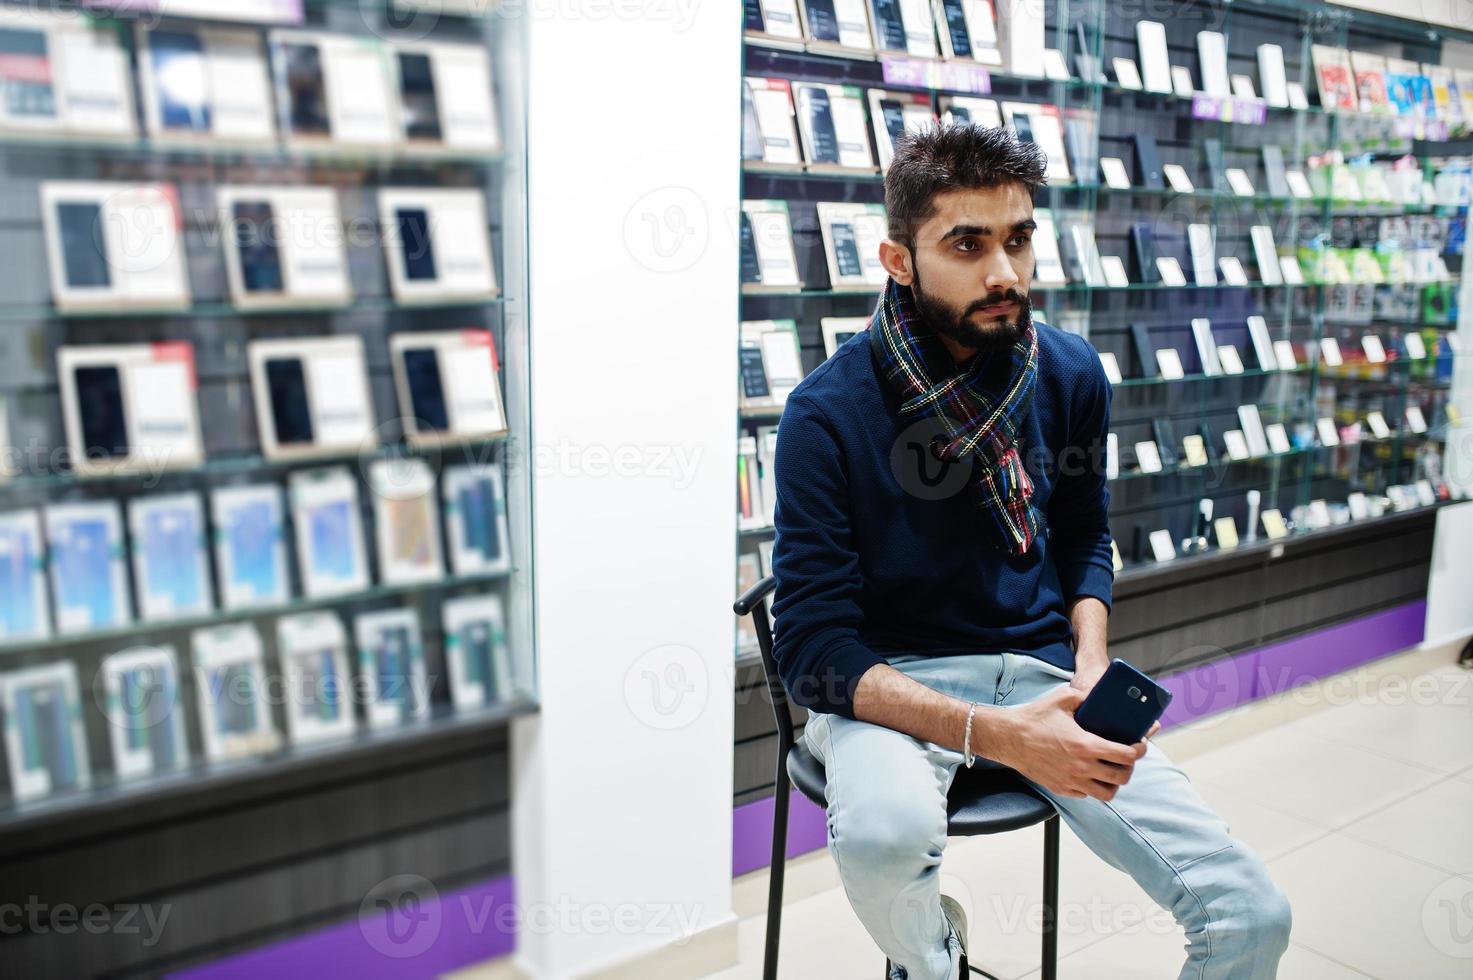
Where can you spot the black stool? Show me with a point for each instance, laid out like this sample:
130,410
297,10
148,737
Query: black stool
989,800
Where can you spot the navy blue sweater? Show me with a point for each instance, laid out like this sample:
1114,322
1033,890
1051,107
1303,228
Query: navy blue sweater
867,568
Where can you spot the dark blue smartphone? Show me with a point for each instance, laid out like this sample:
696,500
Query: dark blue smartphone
825,147
1123,705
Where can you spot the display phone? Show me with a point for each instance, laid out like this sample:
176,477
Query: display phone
754,373
142,688
1023,126
1123,704
1165,440
414,239
960,116
821,124
480,529
752,146
426,390
178,60
417,95
476,642
45,737
846,250
1143,250
888,25
319,682
306,91
956,27
100,406
394,671
894,115
752,19
823,23
82,252
255,240
25,75
291,412
237,699
751,268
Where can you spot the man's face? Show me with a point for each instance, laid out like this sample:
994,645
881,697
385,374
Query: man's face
973,265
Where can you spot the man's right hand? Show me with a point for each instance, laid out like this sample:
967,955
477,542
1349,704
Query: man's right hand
1043,742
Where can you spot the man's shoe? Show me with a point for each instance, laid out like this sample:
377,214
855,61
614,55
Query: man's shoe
957,918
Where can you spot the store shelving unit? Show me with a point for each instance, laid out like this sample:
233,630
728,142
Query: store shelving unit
1301,313
291,818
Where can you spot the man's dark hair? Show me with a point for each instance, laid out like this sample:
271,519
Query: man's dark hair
950,158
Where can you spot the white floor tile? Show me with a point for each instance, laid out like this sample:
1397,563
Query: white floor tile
1434,825
1427,721
1364,906
1308,776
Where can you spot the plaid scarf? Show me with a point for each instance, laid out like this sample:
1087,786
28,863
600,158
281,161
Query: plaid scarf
978,409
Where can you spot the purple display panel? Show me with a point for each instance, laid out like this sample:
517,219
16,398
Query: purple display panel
1196,692
405,930
249,11
751,839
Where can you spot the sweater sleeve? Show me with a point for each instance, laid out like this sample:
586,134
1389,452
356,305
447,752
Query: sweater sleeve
816,643
1078,511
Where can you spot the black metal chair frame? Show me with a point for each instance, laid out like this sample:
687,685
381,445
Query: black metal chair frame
995,800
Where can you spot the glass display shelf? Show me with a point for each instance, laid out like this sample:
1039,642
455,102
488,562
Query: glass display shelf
218,616
1071,287
1302,369
477,10
151,150
215,310
246,463
1211,465
108,794
1261,546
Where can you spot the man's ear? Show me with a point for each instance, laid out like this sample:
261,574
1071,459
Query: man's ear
896,259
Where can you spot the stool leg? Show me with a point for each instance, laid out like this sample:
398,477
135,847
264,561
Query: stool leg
776,868
1050,968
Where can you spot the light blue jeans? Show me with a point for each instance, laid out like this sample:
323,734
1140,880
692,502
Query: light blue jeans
886,808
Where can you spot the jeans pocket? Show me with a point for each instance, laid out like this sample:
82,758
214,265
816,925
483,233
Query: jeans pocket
1043,666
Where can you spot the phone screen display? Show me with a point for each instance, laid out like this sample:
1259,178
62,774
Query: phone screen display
419,251
751,130
236,706
476,642
291,412
822,22
894,115
256,242
252,532
83,256
46,742
754,373
306,90
821,124
752,15
751,268
417,92
169,540
25,75
846,250
100,407
956,28
426,391
178,62
888,25
478,517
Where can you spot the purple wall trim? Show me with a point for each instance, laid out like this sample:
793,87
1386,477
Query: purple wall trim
424,939
751,841
1196,692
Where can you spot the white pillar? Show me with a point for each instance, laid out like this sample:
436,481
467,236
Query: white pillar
622,784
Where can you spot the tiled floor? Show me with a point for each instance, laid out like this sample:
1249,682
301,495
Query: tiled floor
1358,792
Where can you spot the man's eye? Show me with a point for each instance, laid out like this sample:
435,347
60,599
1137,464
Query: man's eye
966,245
1018,241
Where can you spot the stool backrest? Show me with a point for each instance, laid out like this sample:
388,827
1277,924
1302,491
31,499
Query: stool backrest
753,603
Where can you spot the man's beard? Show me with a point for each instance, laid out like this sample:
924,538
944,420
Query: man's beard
956,324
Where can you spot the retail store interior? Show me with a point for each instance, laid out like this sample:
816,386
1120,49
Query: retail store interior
398,535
